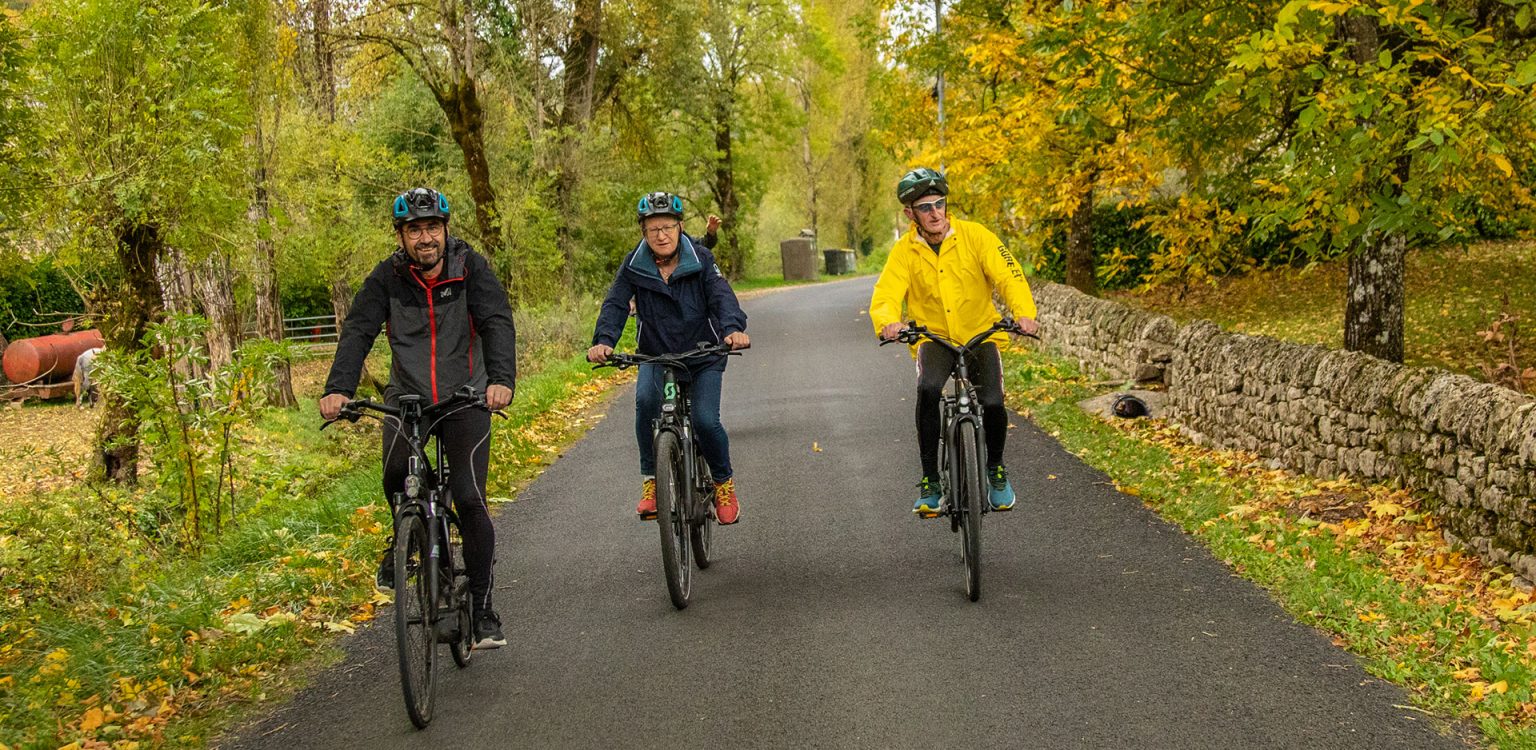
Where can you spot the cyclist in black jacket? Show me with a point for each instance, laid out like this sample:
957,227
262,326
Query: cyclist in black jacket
449,325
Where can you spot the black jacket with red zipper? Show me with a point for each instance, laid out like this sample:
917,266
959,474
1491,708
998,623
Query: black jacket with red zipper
443,333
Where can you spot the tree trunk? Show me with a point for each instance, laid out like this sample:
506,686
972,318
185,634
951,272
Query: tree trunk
216,290
1373,314
128,310
325,60
341,302
1081,273
580,61
269,303
1373,309
731,261
466,121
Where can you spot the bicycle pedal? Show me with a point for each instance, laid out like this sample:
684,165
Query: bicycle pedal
927,515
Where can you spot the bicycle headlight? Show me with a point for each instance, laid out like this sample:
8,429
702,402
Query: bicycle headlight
669,408
965,400
412,486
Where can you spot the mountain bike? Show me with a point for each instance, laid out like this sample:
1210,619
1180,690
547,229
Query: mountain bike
432,602
684,487
962,473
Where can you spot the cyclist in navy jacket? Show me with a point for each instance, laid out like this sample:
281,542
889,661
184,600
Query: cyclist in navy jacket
681,299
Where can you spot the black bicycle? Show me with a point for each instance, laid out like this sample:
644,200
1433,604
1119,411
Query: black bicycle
432,603
962,473
684,486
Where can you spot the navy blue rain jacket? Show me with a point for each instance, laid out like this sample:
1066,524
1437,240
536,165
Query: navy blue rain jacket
697,305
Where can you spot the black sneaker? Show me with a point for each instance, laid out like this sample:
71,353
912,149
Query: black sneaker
488,630
384,580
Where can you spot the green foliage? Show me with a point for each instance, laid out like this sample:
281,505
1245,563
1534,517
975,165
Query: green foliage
188,412
16,121
35,297
145,122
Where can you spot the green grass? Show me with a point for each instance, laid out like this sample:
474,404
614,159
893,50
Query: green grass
1453,293
1449,633
164,647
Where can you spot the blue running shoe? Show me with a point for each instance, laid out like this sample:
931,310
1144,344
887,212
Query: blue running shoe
927,504
1001,491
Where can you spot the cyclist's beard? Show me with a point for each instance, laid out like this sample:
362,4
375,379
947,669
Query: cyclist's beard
426,254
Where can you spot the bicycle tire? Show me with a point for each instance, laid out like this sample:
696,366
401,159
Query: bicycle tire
968,505
461,647
702,526
672,491
415,618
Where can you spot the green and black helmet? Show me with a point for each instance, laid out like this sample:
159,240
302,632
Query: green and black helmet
659,203
918,183
419,203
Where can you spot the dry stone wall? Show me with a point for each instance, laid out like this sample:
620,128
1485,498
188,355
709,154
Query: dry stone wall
1469,445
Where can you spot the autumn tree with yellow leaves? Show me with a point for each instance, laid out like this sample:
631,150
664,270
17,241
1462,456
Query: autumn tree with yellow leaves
1338,128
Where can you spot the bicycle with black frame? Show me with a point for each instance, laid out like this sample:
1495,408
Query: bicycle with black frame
684,513
962,472
432,603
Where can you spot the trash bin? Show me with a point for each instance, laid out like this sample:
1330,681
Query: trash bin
799,259
840,261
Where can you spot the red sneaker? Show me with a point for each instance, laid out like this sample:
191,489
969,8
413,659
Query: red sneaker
647,507
727,508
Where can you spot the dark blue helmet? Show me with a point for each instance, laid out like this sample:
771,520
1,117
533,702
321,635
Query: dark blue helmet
419,203
660,204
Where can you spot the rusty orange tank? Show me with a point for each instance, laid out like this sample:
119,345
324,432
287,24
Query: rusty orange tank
47,359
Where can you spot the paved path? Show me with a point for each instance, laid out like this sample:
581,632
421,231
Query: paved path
833,618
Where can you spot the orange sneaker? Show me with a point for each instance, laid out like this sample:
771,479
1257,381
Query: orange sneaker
727,508
647,506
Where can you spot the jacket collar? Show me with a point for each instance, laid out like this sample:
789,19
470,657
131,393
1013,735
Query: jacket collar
642,262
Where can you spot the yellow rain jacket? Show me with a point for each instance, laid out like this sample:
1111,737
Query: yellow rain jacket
950,292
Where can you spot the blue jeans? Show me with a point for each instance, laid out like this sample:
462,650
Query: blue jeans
707,430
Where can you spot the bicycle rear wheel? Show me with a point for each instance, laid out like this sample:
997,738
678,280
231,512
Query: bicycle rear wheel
701,526
971,482
672,493
415,615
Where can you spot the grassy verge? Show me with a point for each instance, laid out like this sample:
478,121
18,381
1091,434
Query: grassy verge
1454,295
1359,562
161,647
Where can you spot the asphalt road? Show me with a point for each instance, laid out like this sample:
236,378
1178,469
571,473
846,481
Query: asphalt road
833,618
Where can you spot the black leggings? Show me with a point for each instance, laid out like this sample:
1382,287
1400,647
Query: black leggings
985,366
466,439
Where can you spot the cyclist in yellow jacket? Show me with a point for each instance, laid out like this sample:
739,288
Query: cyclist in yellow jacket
945,271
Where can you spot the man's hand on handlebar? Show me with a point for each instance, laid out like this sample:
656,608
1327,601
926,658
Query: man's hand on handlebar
1027,326
599,353
738,340
891,331
331,405
497,397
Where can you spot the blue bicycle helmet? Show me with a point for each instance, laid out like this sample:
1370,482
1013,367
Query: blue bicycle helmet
419,203
659,203
918,183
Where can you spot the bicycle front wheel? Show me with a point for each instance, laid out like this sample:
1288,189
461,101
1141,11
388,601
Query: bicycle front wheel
672,495
972,484
415,617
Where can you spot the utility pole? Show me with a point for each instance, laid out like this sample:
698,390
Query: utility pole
938,34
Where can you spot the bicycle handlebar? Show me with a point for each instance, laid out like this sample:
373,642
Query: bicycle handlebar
358,408
914,333
680,360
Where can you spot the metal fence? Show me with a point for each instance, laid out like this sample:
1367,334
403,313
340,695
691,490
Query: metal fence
316,332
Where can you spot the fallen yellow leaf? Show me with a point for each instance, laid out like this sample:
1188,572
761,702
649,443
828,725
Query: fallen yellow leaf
816,447
1501,687
91,720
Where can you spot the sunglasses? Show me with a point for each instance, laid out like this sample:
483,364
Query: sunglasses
930,206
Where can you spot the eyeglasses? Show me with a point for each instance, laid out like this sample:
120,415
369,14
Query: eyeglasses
417,231
658,231
930,206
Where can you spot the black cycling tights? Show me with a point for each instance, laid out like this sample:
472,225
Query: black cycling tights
985,366
467,445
